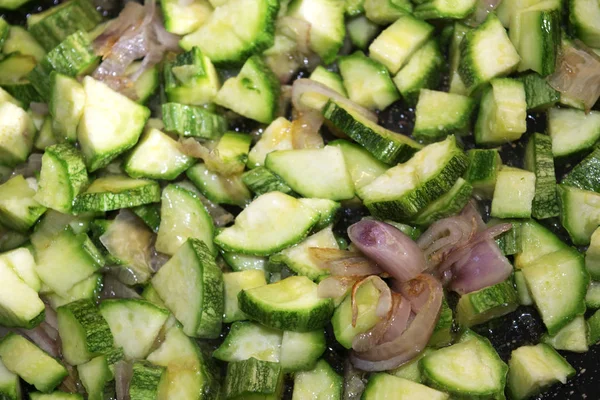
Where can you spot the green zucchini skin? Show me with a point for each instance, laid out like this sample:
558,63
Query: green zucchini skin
539,160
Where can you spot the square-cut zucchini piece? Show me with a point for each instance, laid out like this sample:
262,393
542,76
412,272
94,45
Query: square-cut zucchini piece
513,194
16,134
18,208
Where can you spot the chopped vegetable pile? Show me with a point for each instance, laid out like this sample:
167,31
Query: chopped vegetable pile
203,199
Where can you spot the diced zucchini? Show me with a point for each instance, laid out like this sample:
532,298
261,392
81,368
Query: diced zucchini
290,304
443,332
53,25
301,350
83,331
361,165
572,337
191,285
381,385
366,297
189,371
22,262
320,382
241,262
572,131
445,9
536,242
522,289
20,305
253,93
260,181
482,172
45,136
327,209
96,375
192,121
439,114
219,189
277,136
586,174
253,378
367,82
10,386
62,178
538,159
319,173
134,324
538,93
405,190
592,256
234,283
470,367
448,204
412,369
66,259
361,31
156,156
579,212
422,71
535,32
182,19
269,224
513,193
183,216
18,208
233,151
326,18
558,283
31,363
594,328
23,91
386,146
328,78
55,396
150,214
247,340
89,288
486,52
509,242
394,46
145,380
15,69
298,257
384,12
235,30
584,17
488,303
533,368
110,125
73,57
114,192
191,78
67,99
16,134
502,114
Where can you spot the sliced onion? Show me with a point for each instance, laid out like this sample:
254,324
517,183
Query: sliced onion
577,74
334,287
221,217
297,29
443,236
305,131
130,240
31,168
71,383
413,340
471,213
157,259
484,265
193,148
302,86
384,305
42,339
401,318
123,374
113,288
51,317
137,33
392,250
39,108
482,10
343,262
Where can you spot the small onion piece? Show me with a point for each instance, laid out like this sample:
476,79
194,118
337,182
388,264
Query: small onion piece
221,217
302,86
335,286
193,148
343,262
393,251
305,131
412,341
482,10
577,74
443,236
123,374
113,288
354,382
31,168
39,335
